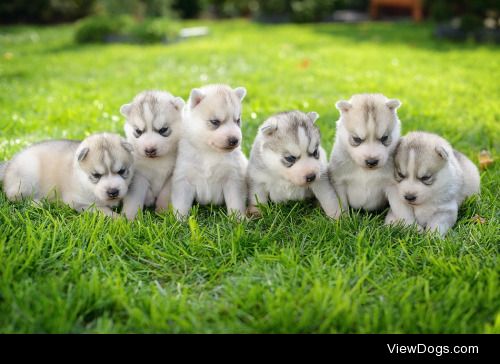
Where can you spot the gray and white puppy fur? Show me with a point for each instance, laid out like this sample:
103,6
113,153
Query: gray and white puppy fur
287,163
361,164
210,166
94,173
153,126
432,179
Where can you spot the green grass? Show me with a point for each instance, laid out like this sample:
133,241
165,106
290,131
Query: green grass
292,271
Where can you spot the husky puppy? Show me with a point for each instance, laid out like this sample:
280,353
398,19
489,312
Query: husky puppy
361,160
94,173
433,180
210,166
153,127
288,163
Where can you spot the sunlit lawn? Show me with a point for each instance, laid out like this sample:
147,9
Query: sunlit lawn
292,271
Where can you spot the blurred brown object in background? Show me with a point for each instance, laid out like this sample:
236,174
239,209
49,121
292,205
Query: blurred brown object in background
485,159
414,5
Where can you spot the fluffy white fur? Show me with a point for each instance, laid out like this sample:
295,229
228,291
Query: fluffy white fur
432,180
272,177
94,173
210,166
153,127
371,119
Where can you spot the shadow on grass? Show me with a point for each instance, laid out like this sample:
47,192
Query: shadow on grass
13,76
70,47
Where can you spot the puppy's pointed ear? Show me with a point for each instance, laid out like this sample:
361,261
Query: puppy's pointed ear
343,106
178,103
313,116
82,154
269,127
127,146
393,104
240,92
125,110
442,152
195,97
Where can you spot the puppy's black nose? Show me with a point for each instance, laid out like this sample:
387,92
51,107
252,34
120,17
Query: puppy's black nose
150,152
310,177
409,197
113,192
232,141
371,162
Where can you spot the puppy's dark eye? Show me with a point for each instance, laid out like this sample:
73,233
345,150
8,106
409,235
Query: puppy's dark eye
215,122
163,131
426,180
138,133
238,121
96,175
401,175
356,140
122,172
315,154
384,139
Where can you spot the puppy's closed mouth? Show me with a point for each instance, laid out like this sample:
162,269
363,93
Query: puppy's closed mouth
226,148
412,203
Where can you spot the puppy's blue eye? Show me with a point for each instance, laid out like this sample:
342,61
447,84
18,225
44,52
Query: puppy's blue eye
356,140
215,122
163,131
290,159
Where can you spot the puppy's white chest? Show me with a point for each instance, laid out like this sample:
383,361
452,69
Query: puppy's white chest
281,191
156,172
208,180
366,190
422,214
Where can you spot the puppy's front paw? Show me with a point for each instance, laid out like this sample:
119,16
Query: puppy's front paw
391,219
334,214
115,215
254,212
161,209
180,216
130,214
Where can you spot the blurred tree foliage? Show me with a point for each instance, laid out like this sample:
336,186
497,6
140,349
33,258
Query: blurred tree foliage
44,11
471,12
138,8
188,9
53,11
